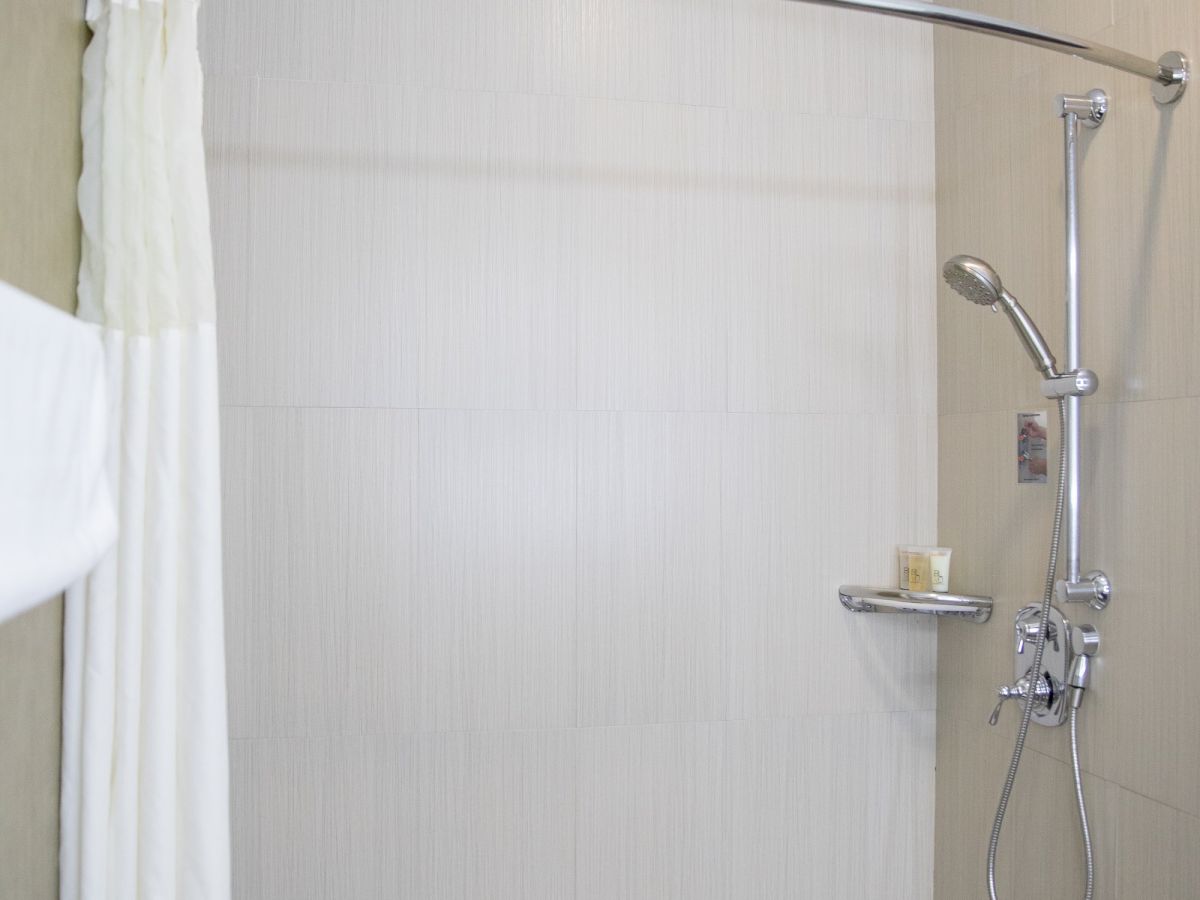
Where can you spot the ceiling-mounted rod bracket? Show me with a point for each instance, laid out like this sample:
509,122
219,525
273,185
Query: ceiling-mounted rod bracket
1170,72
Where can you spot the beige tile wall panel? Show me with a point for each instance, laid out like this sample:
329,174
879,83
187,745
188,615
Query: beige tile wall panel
41,50
999,148
40,146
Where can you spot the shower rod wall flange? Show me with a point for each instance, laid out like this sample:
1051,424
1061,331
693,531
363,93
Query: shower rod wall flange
1170,72
1167,92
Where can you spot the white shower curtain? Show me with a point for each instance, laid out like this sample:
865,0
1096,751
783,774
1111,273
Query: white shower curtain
145,770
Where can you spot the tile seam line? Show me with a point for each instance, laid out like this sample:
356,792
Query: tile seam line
830,716
878,414
1117,784
1094,404
426,88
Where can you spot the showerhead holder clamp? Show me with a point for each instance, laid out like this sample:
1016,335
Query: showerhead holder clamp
1095,589
1080,383
1089,109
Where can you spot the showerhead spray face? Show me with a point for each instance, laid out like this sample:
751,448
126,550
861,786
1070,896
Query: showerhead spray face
974,279
979,283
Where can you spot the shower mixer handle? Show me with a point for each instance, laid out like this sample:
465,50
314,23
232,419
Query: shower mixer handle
995,716
1040,692
1027,632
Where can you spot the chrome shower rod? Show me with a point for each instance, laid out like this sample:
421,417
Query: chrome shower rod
1169,73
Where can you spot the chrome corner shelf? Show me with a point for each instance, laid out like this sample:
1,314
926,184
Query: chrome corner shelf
857,598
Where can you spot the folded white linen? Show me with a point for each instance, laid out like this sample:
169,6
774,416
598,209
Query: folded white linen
56,511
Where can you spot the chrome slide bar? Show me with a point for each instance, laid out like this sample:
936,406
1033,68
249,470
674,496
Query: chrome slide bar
1170,72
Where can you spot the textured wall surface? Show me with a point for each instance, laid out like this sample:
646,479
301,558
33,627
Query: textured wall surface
999,151
41,49
572,354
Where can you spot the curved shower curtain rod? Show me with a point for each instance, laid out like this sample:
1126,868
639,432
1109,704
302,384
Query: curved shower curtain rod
1170,73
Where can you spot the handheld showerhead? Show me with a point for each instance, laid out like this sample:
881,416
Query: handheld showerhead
979,283
974,279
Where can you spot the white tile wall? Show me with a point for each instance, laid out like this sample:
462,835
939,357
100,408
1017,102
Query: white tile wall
621,50
806,795
794,58
496,569
498,811
651,616
328,817
500,243
651,813
652,305
335,286
323,621
573,352
230,105
792,650
829,221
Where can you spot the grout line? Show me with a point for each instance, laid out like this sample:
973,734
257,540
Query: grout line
578,575
1109,404
1118,785
790,114
725,651
822,716
825,413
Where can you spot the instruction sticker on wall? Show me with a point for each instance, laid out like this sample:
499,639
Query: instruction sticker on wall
1031,448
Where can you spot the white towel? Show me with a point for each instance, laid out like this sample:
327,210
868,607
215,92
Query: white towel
56,512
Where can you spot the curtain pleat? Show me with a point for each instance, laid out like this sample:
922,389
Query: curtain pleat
145,756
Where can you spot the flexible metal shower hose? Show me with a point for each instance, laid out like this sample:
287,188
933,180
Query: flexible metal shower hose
1083,819
1036,668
